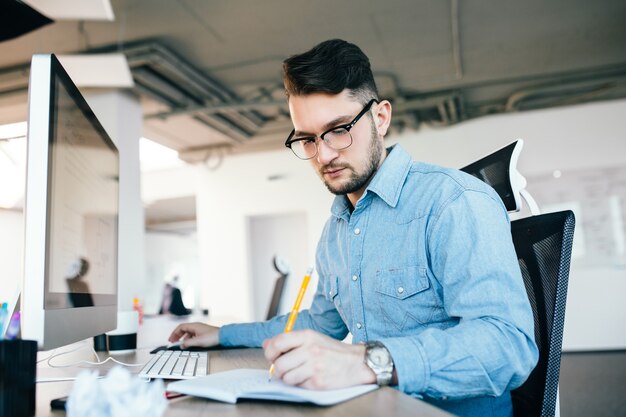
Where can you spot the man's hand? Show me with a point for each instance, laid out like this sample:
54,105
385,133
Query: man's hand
311,360
196,334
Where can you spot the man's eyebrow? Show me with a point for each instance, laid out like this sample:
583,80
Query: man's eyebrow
341,120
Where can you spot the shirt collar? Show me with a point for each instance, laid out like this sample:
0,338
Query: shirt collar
387,182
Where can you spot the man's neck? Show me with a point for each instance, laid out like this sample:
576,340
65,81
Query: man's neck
354,197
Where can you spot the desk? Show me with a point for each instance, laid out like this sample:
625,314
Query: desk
382,402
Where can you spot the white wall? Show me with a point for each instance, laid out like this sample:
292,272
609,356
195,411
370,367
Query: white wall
11,249
568,138
239,189
167,255
269,236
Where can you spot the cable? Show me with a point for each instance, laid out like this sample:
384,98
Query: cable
54,354
85,362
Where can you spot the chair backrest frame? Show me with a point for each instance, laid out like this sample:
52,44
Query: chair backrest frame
499,170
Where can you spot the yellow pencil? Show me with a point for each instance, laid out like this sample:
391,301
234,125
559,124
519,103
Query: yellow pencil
296,308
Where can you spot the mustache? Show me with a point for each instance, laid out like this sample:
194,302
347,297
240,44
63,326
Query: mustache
333,167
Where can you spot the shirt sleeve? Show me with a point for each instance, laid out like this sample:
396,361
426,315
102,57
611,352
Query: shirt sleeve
322,317
491,349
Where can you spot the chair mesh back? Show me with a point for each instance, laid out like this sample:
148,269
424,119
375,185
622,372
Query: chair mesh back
277,294
544,244
494,170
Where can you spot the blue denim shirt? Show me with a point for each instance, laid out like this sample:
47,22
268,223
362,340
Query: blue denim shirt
425,264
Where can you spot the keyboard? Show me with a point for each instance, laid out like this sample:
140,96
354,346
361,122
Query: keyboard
176,364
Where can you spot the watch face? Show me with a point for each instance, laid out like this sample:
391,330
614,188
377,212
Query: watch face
379,357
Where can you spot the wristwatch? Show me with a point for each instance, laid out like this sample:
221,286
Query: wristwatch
379,360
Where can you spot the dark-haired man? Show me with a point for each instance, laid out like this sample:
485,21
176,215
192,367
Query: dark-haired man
415,261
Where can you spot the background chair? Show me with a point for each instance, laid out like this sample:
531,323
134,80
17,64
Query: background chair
543,244
282,267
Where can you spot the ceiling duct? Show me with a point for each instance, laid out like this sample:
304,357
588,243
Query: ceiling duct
191,111
184,90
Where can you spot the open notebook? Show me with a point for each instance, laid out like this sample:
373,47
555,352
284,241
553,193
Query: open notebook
253,384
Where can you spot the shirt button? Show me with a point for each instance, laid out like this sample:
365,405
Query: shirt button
400,290
357,231
359,325
354,277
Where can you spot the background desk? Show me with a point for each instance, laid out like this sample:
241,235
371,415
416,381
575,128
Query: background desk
382,402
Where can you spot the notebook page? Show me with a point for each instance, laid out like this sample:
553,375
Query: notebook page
254,384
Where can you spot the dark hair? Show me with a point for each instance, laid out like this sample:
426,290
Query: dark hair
330,67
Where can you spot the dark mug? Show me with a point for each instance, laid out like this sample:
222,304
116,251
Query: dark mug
18,367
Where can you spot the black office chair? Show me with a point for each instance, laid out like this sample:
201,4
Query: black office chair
277,295
499,170
543,245
282,267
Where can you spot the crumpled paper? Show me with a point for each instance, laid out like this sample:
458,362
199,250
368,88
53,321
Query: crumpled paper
119,394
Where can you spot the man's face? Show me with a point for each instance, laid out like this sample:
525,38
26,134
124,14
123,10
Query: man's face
345,171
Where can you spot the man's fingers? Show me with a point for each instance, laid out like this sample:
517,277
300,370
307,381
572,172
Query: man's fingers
289,361
191,342
285,342
297,375
177,333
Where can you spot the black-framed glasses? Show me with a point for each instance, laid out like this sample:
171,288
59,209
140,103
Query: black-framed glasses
337,138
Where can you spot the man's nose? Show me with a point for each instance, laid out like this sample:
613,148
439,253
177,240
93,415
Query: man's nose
325,153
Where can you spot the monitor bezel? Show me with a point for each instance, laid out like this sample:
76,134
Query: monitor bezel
56,327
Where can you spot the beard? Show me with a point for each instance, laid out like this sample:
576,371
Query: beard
357,180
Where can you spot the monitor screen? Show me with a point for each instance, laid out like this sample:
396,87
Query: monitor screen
72,197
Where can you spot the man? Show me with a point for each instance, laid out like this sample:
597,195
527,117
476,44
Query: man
415,261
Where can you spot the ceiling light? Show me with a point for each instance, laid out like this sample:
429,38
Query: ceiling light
74,9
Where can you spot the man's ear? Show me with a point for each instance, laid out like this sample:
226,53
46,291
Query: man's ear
382,117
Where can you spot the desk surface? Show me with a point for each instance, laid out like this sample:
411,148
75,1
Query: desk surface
384,401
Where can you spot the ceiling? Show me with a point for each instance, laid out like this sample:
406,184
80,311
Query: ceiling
208,72
172,215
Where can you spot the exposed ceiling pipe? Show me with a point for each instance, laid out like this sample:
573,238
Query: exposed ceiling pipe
556,91
217,108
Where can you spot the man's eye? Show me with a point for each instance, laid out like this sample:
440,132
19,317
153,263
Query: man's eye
306,141
339,131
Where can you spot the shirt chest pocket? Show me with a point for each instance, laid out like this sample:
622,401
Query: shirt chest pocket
331,290
405,297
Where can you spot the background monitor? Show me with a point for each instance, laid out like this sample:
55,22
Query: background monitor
69,292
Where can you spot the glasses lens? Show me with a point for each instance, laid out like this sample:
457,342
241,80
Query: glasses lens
338,139
304,149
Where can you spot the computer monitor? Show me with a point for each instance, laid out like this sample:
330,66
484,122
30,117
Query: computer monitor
69,291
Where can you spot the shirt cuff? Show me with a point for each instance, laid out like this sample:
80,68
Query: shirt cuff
248,334
411,363
227,335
